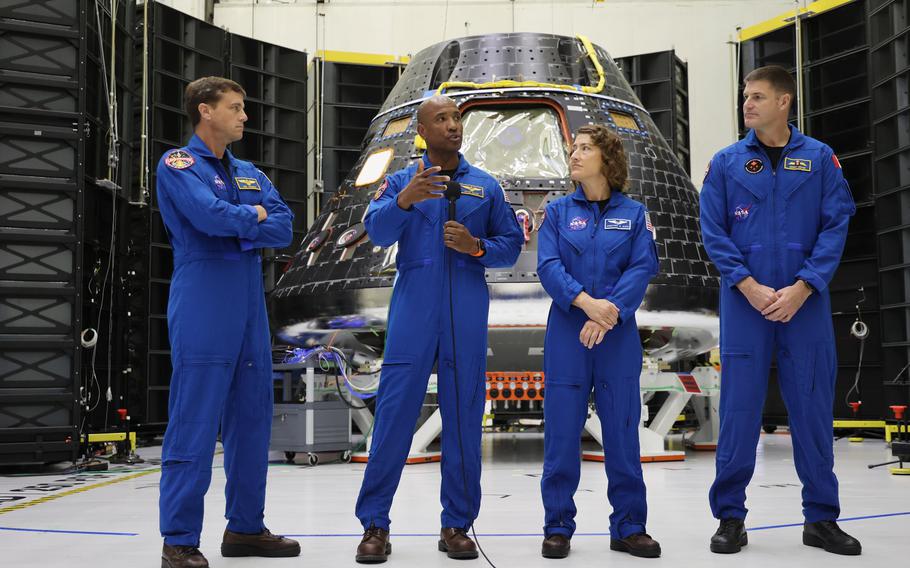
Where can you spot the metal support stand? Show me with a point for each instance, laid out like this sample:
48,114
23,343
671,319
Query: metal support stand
703,383
423,437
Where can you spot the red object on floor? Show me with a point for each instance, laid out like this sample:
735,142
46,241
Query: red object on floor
855,406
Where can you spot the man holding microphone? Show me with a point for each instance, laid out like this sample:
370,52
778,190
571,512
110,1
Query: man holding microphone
437,316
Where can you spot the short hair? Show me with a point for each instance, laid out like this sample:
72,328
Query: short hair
615,163
207,90
778,77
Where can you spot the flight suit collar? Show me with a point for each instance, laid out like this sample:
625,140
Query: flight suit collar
461,169
616,197
465,204
797,139
582,218
198,148
789,181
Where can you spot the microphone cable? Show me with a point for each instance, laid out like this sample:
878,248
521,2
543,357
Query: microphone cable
450,253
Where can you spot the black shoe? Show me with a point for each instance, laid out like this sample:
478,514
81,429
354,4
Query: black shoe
827,535
730,537
638,544
264,544
555,546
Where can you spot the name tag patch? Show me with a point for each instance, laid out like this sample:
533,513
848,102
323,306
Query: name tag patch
798,164
618,224
472,190
247,184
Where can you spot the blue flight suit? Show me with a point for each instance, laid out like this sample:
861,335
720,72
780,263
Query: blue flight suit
219,334
419,334
776,225
611,255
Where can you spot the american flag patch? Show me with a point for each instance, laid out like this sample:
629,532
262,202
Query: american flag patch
649,226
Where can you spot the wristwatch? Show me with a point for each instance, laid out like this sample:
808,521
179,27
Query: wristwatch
481,250
807,285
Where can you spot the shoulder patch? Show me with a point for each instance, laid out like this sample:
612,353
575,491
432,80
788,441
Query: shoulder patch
707,171
836,161
179,160
650,226
505,196
384,186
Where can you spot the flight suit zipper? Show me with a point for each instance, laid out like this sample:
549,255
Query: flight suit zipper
235,191
599,216
773,224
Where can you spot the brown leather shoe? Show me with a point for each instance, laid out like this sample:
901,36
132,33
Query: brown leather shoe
555,546
374,547
182,557
457,544
263,544
640,544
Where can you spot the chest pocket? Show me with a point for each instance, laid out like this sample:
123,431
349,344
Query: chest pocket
616,243
473,213
573,243
249,188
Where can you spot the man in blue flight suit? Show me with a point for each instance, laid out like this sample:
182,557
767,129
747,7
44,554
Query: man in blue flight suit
218,212
440,273
774,214
595,257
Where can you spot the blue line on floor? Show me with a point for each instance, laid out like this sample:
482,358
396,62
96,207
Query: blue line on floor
68,532
426,535
842,520
486,535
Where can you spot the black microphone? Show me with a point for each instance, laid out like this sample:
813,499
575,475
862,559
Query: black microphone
452,193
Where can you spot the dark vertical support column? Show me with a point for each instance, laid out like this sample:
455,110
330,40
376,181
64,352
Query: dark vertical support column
889,31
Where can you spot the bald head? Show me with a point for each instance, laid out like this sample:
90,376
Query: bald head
439,124
433,105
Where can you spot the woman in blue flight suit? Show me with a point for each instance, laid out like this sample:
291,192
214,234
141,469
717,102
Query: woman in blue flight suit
596,255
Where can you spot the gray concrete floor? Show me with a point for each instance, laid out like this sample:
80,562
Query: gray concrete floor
111,519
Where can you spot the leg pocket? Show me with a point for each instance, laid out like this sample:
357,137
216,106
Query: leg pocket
202,386
618,402
740,388
818,373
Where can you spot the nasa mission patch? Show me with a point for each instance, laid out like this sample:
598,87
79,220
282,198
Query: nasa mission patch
179,160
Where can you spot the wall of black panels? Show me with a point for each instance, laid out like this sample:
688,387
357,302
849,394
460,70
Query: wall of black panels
889,33
274,78
181,49
851,60
661,82
351,97
42,187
